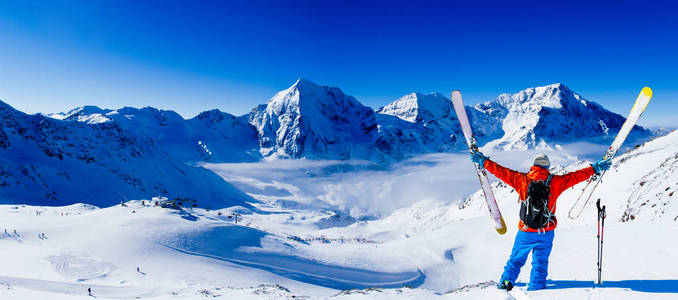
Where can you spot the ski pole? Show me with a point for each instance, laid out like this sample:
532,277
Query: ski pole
602,233
598,238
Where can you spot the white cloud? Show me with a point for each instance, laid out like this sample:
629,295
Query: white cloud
365,189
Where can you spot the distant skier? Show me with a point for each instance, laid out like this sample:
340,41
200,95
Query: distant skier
89,291
537,221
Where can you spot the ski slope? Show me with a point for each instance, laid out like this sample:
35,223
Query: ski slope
85,247
440,245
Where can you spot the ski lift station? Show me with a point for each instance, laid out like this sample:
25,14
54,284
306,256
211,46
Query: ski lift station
175,203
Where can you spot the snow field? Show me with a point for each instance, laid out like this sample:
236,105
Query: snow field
433,244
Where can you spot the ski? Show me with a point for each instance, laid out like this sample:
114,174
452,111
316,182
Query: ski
458,104
637,110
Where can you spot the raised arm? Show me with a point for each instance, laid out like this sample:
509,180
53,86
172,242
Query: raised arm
568,180
513,178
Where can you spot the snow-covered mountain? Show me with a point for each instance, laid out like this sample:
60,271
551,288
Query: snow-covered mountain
210,136
426,123
433,248
533,118
44,161
541,116
308,120
312,121
87,114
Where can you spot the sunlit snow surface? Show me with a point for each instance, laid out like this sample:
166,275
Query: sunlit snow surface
325,226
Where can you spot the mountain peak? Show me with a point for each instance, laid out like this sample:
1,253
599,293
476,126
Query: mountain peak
89,114
309,96
302,82
214,115
418,106
208,113
551,113
310,89
554,96
88,110
311,120
556,85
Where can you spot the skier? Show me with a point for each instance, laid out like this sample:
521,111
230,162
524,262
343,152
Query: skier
89,291
537,221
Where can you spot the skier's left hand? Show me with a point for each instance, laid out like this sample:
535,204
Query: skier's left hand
602,165
479,158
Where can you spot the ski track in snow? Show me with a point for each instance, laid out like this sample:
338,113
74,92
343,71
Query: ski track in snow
303,272
82,268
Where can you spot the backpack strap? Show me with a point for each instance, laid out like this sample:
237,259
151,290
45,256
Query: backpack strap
550,213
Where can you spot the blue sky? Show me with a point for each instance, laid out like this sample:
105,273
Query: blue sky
192,56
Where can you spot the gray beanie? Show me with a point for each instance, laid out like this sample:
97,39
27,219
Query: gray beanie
542,160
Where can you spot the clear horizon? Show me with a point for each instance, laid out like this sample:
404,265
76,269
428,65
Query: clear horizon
232,56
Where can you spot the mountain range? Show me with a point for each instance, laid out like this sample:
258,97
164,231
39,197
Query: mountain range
312,121
45,161
110,155
318,122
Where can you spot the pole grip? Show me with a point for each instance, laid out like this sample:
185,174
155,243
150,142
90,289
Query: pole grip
598,205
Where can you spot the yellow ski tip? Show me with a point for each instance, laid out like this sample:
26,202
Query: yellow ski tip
502,230
646,91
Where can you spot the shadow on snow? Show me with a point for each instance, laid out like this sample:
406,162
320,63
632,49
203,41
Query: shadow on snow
638,285
224,243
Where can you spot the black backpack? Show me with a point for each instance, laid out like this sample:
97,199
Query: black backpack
534,211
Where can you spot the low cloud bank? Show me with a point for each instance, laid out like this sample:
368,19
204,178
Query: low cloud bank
364,189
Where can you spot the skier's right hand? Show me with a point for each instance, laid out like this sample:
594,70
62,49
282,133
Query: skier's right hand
602,165
479,158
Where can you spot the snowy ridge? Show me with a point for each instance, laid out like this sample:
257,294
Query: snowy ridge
418,123
418,107
426,123
308,120
86,114
228,137
652,193
52,162
642,185
438,122
539,117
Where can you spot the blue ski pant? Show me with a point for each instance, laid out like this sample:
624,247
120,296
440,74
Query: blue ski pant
540,244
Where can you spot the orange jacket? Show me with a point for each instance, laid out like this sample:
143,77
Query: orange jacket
519,182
